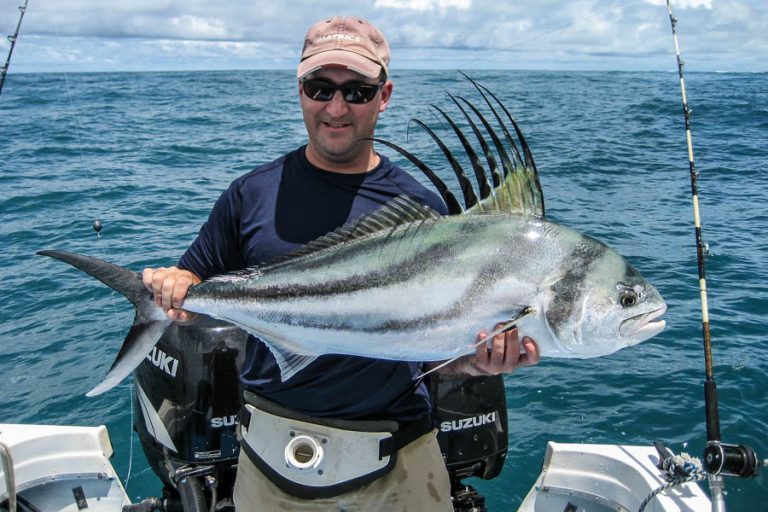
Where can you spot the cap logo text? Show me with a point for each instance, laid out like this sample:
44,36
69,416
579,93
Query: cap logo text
339,37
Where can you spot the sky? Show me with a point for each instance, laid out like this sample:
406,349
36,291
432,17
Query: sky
156,35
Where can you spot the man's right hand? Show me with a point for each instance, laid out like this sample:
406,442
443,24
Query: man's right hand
169,286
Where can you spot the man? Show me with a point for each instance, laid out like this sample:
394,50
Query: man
277,208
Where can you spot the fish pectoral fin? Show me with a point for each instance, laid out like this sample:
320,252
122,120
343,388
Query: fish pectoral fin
289,363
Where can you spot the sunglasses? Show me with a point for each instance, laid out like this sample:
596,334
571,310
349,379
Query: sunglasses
319,89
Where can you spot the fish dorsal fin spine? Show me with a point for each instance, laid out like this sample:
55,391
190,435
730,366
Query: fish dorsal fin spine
400,210
511,169
513,195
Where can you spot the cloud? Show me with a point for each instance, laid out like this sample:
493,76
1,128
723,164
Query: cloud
683,4
194,27
423,5
539,34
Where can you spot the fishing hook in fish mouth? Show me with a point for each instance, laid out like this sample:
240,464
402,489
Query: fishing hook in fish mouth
643,325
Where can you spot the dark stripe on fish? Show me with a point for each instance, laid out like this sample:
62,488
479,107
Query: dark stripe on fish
486,277
390,275
568,288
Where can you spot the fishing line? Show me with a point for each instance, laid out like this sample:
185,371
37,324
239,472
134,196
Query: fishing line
96,225
96,222
130,444
97,228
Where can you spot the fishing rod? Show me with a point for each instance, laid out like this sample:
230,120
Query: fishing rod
12,39
720,459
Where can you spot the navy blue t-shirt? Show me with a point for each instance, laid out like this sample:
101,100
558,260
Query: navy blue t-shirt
275,209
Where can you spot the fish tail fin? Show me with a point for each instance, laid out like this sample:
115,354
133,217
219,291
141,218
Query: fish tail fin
120,279
149,322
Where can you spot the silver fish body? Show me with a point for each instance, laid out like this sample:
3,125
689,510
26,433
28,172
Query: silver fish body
420,289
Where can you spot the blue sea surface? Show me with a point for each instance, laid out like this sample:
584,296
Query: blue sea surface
147,154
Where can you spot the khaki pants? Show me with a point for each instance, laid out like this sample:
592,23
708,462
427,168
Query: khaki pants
418,483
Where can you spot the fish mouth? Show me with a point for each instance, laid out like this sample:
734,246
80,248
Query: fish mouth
642,327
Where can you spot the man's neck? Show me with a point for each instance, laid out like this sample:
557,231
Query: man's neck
362,163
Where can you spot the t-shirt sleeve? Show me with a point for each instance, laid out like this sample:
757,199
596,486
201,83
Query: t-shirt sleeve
216,250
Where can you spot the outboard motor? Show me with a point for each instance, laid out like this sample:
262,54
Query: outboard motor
471,417
189,394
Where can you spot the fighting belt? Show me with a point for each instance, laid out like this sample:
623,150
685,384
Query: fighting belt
316,457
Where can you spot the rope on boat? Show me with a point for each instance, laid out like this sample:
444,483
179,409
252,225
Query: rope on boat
680,469
10,476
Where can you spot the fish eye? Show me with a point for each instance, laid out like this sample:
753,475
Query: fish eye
628,298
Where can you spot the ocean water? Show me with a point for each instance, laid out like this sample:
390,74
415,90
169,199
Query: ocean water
147,154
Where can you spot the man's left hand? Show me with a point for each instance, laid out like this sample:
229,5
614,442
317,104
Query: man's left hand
501,354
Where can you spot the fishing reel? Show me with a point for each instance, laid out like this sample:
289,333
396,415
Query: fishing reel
731,460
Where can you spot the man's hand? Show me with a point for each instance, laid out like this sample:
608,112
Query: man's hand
501,354
169,286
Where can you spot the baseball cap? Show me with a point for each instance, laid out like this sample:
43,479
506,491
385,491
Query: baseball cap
350,42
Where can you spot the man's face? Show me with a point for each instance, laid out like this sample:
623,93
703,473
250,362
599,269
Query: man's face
335,127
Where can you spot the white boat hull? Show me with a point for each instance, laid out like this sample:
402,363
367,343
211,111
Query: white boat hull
54,467
61,468
602,478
